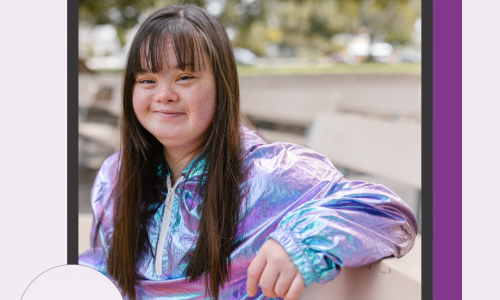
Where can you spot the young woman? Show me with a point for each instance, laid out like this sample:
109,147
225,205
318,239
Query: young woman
197,205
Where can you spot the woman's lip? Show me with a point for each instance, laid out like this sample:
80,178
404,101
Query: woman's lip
169,114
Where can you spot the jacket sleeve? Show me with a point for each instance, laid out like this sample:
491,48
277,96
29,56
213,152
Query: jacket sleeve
353,223
102,206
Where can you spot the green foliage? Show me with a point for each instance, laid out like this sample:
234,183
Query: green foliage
123,14
305,27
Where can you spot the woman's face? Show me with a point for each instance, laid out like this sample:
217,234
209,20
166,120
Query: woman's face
176,106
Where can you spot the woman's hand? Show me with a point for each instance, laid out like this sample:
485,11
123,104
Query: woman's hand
276,272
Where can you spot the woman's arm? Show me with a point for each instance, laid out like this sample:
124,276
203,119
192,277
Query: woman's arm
325,222
354,224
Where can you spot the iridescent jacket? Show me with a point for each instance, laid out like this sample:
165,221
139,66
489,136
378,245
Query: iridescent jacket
296,196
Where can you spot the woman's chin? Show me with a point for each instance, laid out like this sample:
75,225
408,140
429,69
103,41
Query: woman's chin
170,132
172,141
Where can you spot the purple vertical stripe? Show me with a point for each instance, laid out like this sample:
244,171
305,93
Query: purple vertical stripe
447,153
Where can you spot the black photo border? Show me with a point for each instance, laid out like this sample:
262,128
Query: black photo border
72,133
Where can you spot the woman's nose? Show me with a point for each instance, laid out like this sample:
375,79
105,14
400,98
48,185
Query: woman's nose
166,93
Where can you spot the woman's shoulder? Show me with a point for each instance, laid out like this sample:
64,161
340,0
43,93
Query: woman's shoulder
110,164
109,169
282,155
256,147
288,166
104,182
279,174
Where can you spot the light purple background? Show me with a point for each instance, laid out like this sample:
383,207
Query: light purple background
481,152
33,141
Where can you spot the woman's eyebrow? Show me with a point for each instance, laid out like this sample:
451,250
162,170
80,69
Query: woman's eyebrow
144,71
189,66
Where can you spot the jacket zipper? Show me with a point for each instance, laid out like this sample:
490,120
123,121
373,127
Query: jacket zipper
167,213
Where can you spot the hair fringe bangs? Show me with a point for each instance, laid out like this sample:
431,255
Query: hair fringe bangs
188,44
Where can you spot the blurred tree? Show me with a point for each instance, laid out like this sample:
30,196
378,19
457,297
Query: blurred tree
299,27
123,14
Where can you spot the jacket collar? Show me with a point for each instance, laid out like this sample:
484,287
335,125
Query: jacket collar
189,172
250,140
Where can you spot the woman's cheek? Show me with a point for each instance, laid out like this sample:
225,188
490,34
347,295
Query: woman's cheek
209,111
140,106
205,106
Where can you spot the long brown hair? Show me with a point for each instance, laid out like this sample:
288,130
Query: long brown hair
194,34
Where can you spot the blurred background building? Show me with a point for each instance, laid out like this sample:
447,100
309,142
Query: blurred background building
341,77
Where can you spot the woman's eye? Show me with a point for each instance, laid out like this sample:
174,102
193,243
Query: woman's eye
146,81
183,78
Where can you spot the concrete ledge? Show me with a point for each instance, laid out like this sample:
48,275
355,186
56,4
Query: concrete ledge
276,136
388,279
106,135
386,149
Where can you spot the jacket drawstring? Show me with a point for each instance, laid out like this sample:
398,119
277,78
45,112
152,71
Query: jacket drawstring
167,213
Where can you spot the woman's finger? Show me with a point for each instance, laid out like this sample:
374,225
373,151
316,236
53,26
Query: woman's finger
296,288
253,274
268,280
284,281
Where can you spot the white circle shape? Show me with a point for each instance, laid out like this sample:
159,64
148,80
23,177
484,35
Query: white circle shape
71,282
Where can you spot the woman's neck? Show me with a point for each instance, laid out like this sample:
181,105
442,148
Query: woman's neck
177,161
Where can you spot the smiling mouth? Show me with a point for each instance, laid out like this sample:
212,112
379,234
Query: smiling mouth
169,114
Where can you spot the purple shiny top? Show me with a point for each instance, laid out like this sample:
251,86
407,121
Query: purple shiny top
296,196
